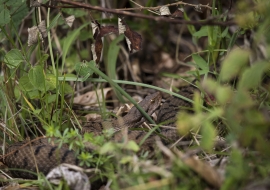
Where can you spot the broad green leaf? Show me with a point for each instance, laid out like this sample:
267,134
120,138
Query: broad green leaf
13,58
19,12
233,64
50,81
4,17
25,84
43,58
51,98
131,145
67,89
106,148
200,62
251,77
37,77
224,94
34,94
208,135
13,2
202,32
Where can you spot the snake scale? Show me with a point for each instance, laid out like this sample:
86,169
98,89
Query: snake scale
41,156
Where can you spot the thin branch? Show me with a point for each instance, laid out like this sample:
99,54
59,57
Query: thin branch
149,17
152,11
168,5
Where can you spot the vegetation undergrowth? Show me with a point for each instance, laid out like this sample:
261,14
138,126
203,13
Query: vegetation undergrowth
224,136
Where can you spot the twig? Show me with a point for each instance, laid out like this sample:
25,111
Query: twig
141,7
168,5
155,18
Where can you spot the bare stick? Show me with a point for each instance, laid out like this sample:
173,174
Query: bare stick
155,18
168,5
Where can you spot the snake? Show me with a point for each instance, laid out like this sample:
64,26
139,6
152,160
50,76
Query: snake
42,156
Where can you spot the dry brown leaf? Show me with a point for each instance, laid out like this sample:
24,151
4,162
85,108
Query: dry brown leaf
37,32
99,32
32,35
133,39
91,98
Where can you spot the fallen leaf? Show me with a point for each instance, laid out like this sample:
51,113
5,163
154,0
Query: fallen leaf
91,98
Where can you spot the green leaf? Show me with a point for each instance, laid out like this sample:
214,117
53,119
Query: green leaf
67,89
83,69
69,40
25,84
34,94
54,21
43,58
4,17
208,135
126,159
200,62
50,81
202,32
13,58
184,123
19,12
132,145
224,94
233,64
112,56
252,76
225,32
213,34
13,2
106,148
37,77
37,111
51,98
